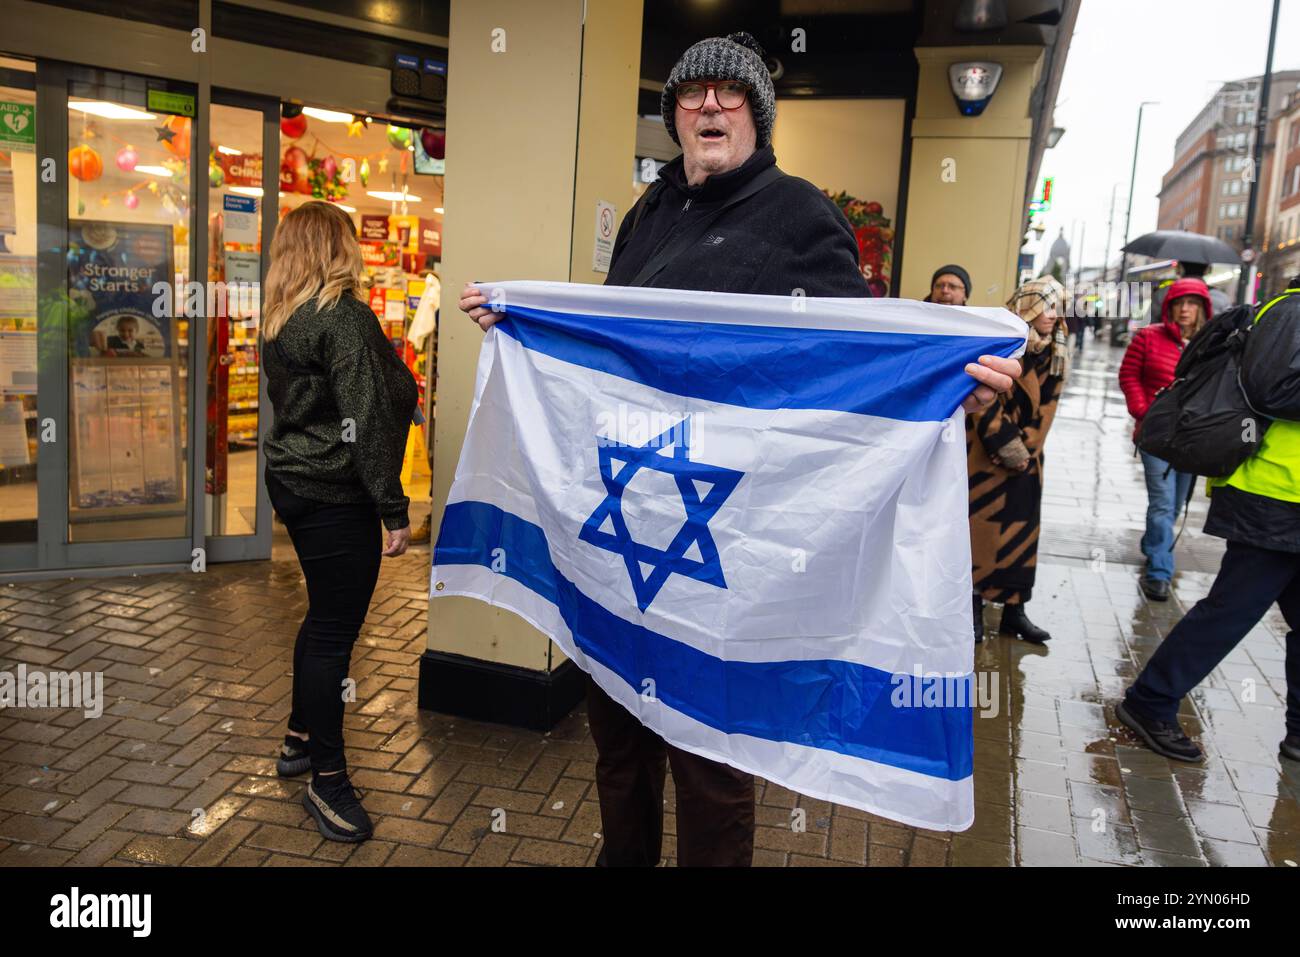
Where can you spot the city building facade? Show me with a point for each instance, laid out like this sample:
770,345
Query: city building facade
1206,189
1280,199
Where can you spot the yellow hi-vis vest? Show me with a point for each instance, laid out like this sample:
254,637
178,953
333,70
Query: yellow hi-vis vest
1274,470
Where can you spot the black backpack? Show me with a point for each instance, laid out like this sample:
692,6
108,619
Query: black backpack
1202,422
1270,366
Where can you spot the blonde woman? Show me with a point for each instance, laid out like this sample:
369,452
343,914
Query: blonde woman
343,405
1004,445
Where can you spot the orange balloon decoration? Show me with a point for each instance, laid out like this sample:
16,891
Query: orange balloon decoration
85,164
178,143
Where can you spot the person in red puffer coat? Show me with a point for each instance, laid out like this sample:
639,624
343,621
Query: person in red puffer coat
1147,368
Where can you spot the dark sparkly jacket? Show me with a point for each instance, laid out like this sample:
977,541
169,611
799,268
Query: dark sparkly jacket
343,403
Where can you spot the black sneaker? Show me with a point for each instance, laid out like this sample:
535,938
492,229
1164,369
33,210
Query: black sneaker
294,759
1162,737
1290,747
1157,589
333,801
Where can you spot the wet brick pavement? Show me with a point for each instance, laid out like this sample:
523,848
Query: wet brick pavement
180,768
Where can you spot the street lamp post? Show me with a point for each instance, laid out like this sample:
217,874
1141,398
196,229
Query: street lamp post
1110,222
1132,179
1261,128
1128,216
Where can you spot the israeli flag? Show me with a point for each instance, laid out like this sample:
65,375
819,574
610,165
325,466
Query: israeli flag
746,518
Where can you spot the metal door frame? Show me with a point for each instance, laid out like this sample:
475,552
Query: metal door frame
233,548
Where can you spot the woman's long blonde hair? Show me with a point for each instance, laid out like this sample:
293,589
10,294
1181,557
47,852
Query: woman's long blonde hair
315,256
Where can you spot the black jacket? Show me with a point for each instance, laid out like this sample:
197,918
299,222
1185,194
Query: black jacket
1270,376
1258,520
787,236
343,403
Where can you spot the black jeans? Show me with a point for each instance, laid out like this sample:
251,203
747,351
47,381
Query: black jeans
339,548
1249,581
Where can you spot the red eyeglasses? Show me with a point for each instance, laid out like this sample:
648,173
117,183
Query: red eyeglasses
731,94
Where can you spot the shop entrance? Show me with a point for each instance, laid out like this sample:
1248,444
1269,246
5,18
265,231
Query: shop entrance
135,230
121,327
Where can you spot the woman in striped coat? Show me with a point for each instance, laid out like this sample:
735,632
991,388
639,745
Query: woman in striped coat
1004,447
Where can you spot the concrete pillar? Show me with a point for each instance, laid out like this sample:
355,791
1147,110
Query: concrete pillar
537,133
966,188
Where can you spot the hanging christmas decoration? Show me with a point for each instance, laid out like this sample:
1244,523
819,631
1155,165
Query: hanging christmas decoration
383,164
131,201
85,164
216,175
434,143
294,126
325,181
363,172
126,159
81,208
295,171
356,128
174,135
399,137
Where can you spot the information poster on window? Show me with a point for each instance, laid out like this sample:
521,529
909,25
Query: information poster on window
94,478
113,269
13,435
240,217
17,362
127,433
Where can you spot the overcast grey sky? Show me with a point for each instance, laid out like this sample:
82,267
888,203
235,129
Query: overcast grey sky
1127,51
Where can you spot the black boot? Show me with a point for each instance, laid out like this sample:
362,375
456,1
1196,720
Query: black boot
1290,747
978,608
1016,622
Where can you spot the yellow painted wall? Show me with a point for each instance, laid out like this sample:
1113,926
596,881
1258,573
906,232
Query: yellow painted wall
611,69
836,144
523,176
975,219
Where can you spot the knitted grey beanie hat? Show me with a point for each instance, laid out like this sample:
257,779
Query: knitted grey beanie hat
736,56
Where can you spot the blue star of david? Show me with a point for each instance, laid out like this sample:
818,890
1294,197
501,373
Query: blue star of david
703,489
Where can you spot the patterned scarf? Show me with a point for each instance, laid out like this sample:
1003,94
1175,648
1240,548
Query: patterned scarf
1029,302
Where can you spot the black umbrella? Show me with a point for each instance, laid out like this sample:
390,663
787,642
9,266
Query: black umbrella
1183,246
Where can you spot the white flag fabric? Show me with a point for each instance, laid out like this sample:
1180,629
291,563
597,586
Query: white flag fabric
746,518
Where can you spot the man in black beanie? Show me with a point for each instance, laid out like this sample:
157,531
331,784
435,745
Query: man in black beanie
720,218
950,286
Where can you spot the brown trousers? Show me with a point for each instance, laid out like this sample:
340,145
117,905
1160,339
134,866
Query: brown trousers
715,802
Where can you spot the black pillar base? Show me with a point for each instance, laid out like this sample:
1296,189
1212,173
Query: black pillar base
503,694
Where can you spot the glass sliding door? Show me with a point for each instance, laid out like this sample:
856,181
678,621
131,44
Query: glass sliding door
129,187
115,351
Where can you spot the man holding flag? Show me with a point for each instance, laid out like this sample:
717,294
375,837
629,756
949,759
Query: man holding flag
721,218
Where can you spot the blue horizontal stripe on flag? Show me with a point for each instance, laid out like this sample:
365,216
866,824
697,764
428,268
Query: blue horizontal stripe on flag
837,706
895,375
